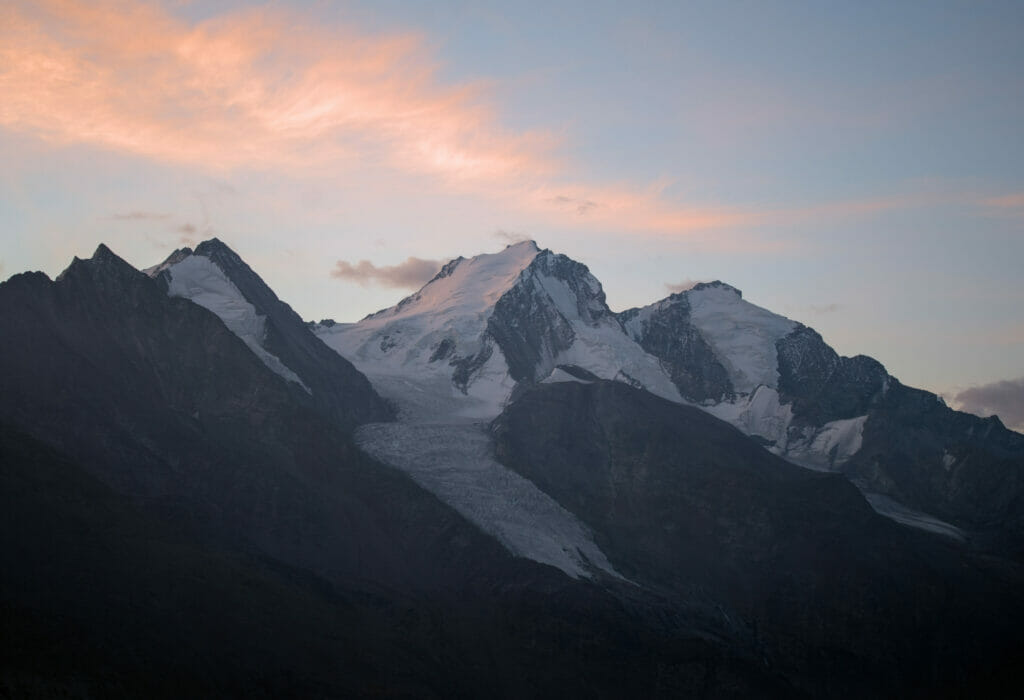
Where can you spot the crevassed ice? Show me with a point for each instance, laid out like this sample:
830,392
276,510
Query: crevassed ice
440,444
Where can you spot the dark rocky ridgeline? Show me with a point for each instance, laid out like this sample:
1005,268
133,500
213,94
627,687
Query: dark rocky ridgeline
336,385
956,466
669,335
823,386
177,520
840,600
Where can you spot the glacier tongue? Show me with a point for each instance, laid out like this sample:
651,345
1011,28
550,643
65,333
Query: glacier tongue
439,443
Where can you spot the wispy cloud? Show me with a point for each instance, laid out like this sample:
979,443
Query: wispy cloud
139,216
411,274
270,89
255,87
581,206
275,90
824,308
510,236
1003,398
683,286
1012,204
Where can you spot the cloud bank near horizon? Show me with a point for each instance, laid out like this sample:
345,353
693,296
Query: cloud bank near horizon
1003,398
411,274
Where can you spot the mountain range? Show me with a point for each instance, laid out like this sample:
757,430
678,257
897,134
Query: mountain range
498,486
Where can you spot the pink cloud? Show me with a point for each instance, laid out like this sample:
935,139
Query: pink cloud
1007,204
411,274
253,88
274,90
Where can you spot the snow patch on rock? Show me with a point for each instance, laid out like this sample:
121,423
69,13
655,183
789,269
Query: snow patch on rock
610,354
560,375
894,510
198,279
742,335
828,447
759,413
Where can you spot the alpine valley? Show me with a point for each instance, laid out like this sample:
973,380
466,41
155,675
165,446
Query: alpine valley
498,487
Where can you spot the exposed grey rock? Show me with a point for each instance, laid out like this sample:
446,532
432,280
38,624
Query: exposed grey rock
668,334
821,385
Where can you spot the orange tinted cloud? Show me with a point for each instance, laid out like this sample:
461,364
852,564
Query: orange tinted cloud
255,88
1012,203
271,90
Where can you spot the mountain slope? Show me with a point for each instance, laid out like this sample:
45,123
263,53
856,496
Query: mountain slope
215,277
102,598
450,356
843,600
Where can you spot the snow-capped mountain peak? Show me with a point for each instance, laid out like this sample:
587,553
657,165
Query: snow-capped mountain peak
485,323
465,287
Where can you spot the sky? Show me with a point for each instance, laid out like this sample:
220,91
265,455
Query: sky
858,167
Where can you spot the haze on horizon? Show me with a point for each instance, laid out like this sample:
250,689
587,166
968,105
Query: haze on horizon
857,168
